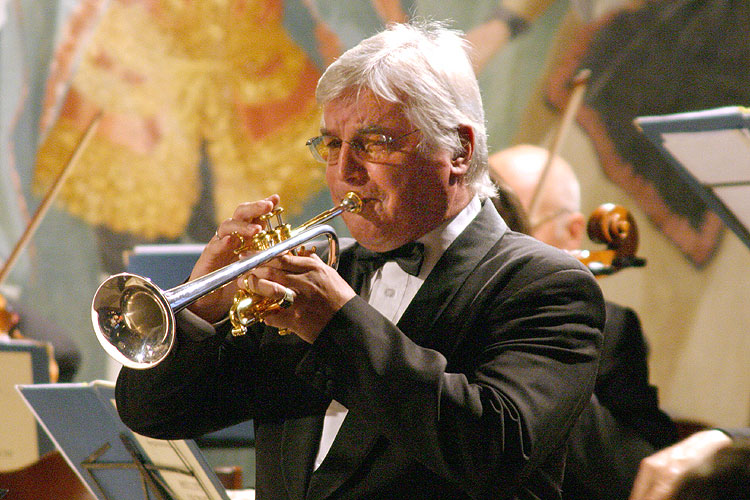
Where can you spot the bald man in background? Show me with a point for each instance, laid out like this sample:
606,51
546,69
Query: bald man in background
558,220
623,423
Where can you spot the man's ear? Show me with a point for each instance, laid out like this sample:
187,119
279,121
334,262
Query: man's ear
576,228
466,136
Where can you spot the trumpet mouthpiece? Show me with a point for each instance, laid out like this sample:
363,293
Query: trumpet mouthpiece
352,202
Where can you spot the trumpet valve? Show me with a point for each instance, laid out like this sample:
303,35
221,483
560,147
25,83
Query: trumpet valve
282,232
262,241
249,308
277,213
245,311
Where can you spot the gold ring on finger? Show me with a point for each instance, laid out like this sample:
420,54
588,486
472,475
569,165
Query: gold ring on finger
288,299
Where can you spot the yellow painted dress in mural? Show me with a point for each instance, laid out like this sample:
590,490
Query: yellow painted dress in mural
173,78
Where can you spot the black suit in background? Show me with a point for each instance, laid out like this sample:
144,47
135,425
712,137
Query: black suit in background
623,424
471,395
738,433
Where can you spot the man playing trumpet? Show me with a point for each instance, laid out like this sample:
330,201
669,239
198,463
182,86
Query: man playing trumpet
453,372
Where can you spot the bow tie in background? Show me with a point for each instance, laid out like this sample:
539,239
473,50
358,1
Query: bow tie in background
409,258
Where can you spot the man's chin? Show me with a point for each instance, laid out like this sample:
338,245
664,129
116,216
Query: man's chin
370,238
366,240
377,236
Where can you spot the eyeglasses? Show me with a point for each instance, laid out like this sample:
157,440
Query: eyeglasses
367,146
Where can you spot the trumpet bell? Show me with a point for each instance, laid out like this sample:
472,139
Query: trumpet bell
133,320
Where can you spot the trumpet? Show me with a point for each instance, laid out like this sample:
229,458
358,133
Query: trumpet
134,320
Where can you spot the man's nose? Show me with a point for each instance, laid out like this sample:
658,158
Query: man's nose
351,168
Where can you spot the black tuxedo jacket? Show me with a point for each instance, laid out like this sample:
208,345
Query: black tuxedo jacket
623,424
471,395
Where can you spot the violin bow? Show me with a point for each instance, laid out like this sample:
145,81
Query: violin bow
579,84
49,197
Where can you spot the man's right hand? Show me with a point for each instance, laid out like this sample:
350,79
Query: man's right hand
219,252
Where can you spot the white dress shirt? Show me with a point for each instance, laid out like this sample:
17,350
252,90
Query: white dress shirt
390,292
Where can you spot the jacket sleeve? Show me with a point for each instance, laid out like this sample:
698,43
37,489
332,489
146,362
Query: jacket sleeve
189,393
623,385
212,380
603,455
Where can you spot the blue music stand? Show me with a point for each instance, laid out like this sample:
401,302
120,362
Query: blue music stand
111,460
710,149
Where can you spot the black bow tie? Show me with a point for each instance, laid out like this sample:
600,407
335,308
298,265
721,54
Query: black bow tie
409,257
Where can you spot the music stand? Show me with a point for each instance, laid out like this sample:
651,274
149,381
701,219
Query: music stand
22,440
166,265
710,149
112,461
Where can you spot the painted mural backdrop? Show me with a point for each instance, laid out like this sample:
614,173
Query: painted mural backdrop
207,104
179,85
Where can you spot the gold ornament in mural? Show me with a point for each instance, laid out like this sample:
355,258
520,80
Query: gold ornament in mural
175,78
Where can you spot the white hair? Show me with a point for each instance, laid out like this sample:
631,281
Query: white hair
426,68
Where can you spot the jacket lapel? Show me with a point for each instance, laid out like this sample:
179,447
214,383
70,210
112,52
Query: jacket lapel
450,273
356,437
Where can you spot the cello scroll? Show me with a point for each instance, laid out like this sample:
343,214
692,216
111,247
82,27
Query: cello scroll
614,226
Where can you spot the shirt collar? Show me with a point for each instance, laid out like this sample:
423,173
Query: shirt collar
437,241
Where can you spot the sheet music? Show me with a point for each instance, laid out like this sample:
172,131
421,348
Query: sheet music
189,484
737,197
114,462
713,156
710,150
187,480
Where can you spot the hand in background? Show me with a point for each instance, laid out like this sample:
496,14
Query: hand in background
510,18
659,474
